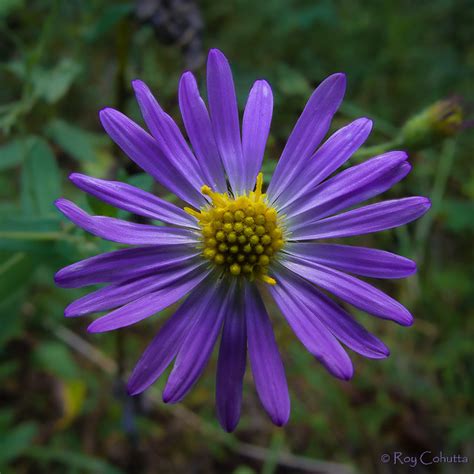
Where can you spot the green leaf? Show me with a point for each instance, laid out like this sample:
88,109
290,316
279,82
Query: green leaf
110,17
78,143
14,152
457,215
292,82
141,180
268,167
8,6
6,418
30,234
244,470
462,431
42,226
12,323
54,357
101,208
86,464
52,84
7,369
16,441
40,180
14,272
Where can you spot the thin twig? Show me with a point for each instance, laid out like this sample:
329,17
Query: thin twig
87,350
196,422
440,183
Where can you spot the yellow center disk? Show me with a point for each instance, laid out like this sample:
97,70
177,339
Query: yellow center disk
240,234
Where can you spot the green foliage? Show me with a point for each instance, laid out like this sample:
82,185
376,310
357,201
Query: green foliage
75,141
40,180
53,83
13,153
17,441
14,271
60,63
54,357
71,460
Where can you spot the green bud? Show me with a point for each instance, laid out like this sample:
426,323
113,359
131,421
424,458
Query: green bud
440,120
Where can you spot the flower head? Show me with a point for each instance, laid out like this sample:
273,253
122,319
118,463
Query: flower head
233,241
241,234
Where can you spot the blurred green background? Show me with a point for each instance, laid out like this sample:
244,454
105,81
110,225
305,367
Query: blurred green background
63,404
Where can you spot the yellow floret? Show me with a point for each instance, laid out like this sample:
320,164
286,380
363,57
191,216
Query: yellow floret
240,234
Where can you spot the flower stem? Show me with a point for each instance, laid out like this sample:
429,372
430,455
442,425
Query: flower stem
439,186
369,151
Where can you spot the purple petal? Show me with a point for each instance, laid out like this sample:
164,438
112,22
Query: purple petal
198,344
167,134
350,187
364,220
333,153
231,365
146,153
331,315
267,367
119,294
356,292
123,264
198,126
124,232
310,129
225,118
255,129
312,333
317,340
164,347
359,260
132,199
147,305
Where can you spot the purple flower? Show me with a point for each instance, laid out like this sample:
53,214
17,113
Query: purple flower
234,243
